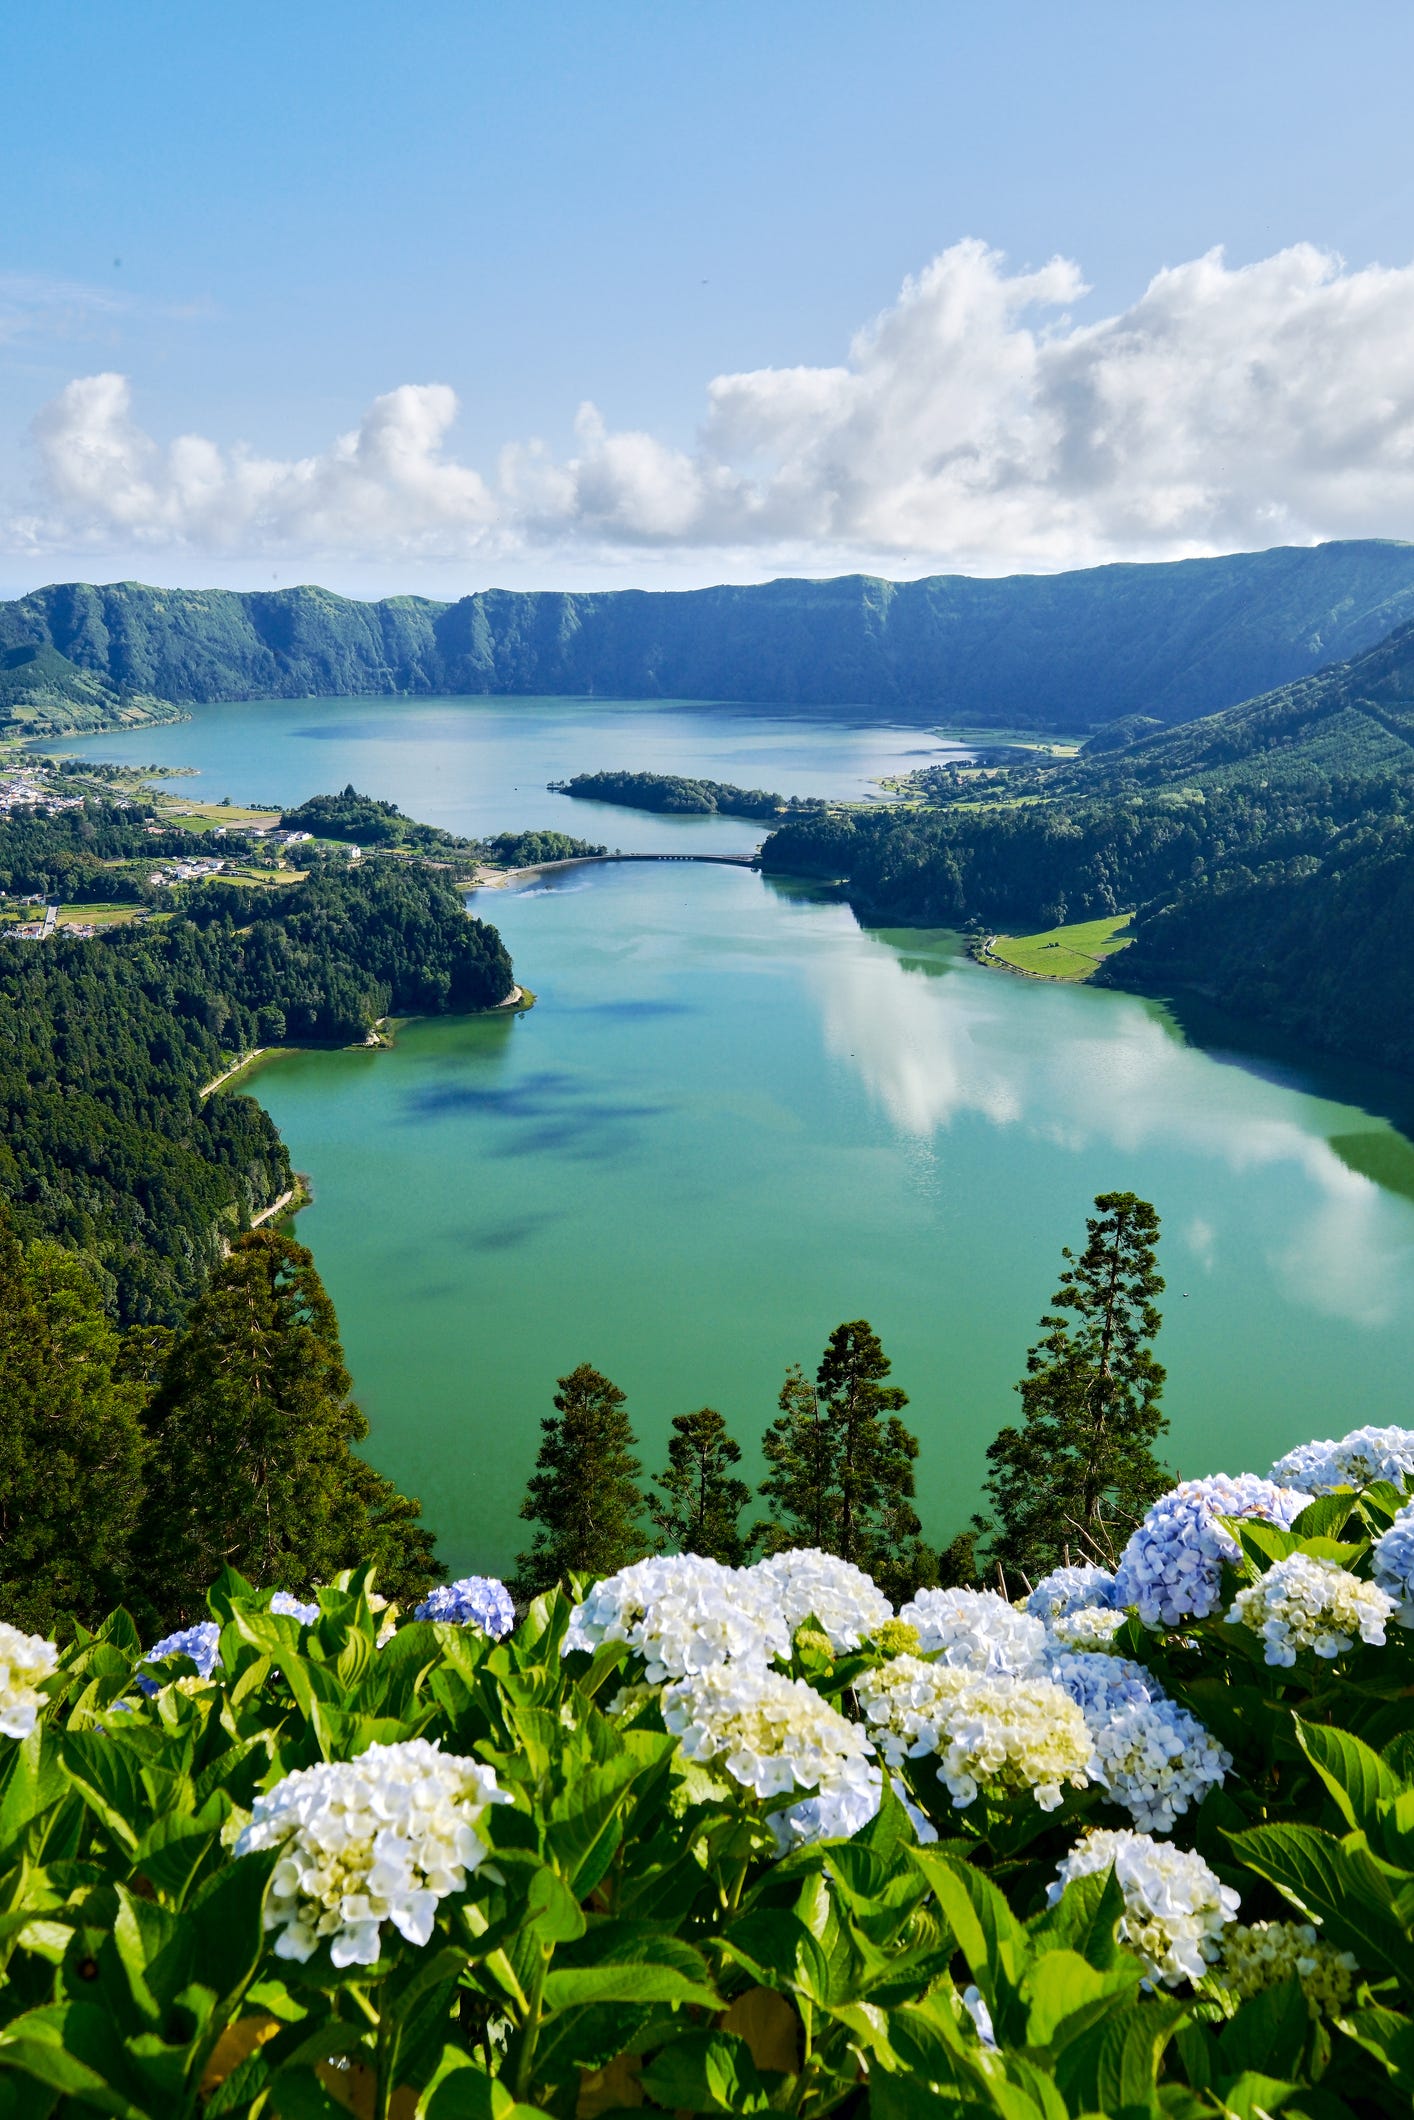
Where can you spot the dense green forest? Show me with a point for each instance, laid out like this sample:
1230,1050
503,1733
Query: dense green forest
364,820
1064,651
367,821
678,796
108,1144
1268,851
135,1464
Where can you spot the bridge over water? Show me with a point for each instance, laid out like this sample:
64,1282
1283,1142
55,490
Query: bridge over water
580,861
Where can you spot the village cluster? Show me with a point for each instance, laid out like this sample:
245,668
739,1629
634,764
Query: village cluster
25,787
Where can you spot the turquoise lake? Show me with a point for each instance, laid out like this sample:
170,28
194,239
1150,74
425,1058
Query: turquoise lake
734,1118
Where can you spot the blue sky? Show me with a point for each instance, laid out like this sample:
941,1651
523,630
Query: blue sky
268,219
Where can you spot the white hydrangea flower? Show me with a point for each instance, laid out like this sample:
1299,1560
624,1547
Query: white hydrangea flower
379,1838
774,1734
1264,1953
1305,1602
1068,1590
683,1615
1153,1757
1175,1910
1172,1567
25,1661
1393,1560
1365,1455
976,1630
1156,1759
806,1583
1092,1628
999,1733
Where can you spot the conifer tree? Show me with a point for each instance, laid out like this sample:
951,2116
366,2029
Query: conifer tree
252,1461
1081,1470
800,1488
702,1499
584,1493
71,1441
841,1464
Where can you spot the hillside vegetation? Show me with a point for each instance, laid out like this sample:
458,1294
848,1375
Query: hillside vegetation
1068,651
1269,851
108,1144
42,693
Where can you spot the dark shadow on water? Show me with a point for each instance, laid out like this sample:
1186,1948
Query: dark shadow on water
1234,1041
506,1236
639,1011
550,1114
511,1100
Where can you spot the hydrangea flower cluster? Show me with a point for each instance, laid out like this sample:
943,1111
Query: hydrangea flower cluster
807,1584
1366,1454
380,1838
1090,1629
286,1602
472,1601
1265,1953
1393,1559
201,1643
1068,1590
1005,1734
1175,1910
684,1615
26,1660
976,1630
1306,1602
1172,1567
774,1734
1103,1684
1156,1759
1152,1756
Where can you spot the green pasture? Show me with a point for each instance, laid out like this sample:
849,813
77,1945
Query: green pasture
1070,952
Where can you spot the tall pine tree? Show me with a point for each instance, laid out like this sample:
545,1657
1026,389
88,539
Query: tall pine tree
1081,1470
252,1461
701,1498
841,1464
71,1441
584,1493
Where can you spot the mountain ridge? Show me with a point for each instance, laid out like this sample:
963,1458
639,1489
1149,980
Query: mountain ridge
1171,640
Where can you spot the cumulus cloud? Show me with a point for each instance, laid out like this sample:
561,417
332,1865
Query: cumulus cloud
975,423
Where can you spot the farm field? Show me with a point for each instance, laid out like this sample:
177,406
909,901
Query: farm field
1071,952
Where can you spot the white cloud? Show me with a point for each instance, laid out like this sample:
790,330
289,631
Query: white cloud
975,423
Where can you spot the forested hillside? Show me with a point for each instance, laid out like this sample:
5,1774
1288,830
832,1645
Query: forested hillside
1069,651
673,794
1268,850
107,1143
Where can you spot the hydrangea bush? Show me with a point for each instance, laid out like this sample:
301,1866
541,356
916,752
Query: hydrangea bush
697,1839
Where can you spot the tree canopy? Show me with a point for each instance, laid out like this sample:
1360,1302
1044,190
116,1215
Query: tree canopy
1081,1470
252,1431
584,1495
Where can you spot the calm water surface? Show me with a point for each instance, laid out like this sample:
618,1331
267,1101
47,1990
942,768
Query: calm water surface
734,1118
477,766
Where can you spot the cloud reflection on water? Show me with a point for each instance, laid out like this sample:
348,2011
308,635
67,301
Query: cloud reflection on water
931,1051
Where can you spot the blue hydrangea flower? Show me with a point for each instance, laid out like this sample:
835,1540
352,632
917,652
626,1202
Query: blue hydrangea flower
473,1601
285,1601
1364,1455
1172,1567
1067,1590
200,1643
1393,1557
1101,1684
